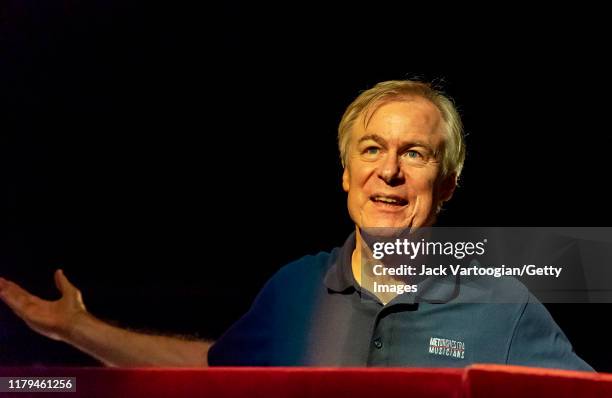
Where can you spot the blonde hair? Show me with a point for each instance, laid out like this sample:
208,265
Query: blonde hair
453,155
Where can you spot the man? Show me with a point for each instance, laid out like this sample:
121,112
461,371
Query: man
402,149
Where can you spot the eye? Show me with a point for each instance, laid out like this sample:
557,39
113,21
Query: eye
372,150
412,154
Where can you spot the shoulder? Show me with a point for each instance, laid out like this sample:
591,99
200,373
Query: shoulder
312,266
536,317
302,274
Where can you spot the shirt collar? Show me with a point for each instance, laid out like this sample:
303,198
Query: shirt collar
340,279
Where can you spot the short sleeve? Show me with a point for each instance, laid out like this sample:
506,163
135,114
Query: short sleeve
275,330
248,341
538,341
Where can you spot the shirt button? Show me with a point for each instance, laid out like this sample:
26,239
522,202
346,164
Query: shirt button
378,344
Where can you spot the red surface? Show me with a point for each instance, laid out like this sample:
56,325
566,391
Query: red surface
475,381
519,381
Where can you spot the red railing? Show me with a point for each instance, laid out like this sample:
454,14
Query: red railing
474,381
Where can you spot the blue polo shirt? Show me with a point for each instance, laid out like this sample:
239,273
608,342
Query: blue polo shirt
313,313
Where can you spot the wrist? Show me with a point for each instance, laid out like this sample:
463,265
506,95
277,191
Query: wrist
77,326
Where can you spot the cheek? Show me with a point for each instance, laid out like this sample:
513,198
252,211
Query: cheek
422,186
361,179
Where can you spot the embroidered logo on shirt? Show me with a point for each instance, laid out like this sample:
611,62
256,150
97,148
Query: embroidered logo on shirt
447,347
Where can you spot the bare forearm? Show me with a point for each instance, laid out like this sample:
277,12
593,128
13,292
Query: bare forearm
114,346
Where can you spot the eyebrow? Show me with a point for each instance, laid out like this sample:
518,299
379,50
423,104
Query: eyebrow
373,137
382,142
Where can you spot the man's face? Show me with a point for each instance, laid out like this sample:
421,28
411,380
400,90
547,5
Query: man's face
393,167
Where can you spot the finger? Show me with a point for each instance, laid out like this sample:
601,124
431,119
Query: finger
3,283
16,297
62,283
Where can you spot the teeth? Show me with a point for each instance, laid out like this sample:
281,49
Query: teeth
386,200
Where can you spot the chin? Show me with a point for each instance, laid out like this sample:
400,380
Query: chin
385,221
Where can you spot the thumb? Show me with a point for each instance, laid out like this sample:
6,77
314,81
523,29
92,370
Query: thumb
62,283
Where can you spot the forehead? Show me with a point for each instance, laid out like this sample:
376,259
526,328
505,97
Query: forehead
402,119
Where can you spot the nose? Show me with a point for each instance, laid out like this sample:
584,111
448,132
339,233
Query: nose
390,170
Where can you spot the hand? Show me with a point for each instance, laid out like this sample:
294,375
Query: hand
53,319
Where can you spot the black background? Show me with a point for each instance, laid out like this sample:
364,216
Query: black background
171,159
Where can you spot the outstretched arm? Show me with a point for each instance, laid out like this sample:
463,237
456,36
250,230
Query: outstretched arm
68,320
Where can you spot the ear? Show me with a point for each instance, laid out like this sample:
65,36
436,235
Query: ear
447,187
346,180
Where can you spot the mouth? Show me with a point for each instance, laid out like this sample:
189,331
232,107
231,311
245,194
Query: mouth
391,201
